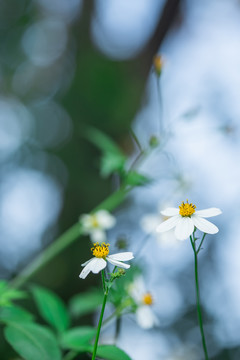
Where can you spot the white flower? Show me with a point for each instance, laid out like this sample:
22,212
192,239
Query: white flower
185,218
99,261
144,314
95,224
149,223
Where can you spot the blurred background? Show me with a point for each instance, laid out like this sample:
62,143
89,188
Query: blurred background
65,65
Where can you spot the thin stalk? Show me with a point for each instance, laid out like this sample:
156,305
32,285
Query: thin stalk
199,313
199,248
136,140
117,328
160,106
100,321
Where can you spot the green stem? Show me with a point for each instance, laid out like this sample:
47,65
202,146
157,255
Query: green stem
160,106
136,140
199,248
64,241
199,313
100,322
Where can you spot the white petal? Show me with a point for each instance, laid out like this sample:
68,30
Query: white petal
145,317
105,219
170,211
124,256
168,224
118,263
204,225
184,228
95,265
149,222
86,222
97,235
208,212
86,262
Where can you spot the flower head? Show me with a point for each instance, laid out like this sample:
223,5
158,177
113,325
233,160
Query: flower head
186,218
95,224
149,223
101,256
158,64
144,300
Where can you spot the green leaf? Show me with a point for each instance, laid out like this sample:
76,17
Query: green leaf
77,338
111,352
85,303
15,314
135,179
112,162
32,341
7,294
102,141
51,308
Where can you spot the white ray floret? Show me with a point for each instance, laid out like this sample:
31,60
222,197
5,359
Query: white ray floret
101,257
95,225
185,218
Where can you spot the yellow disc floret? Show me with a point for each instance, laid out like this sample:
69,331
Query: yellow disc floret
186,209
147,299
94,221
100,251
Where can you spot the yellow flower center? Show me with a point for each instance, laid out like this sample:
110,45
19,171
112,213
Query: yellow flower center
100,251
186,209
94,221
147,299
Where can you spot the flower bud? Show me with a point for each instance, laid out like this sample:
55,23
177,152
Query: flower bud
158,64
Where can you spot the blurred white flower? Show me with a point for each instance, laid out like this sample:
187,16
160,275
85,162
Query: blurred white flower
144,314
99,261
149,223
95,224
185,218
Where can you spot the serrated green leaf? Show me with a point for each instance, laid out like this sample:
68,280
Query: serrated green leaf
111,352
51,308
77,338
82,304
14,313
102,141
112,162
135,179
32,341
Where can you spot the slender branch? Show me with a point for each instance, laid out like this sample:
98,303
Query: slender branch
199,313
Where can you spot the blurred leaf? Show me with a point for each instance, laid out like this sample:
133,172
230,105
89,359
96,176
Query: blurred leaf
111,352
32,341
135,179
8,294
112,162
77,338
102,141
52,308
85,303
15,314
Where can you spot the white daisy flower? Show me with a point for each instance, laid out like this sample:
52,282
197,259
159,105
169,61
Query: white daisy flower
145,316
149,223
95,224
99,261
185,218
